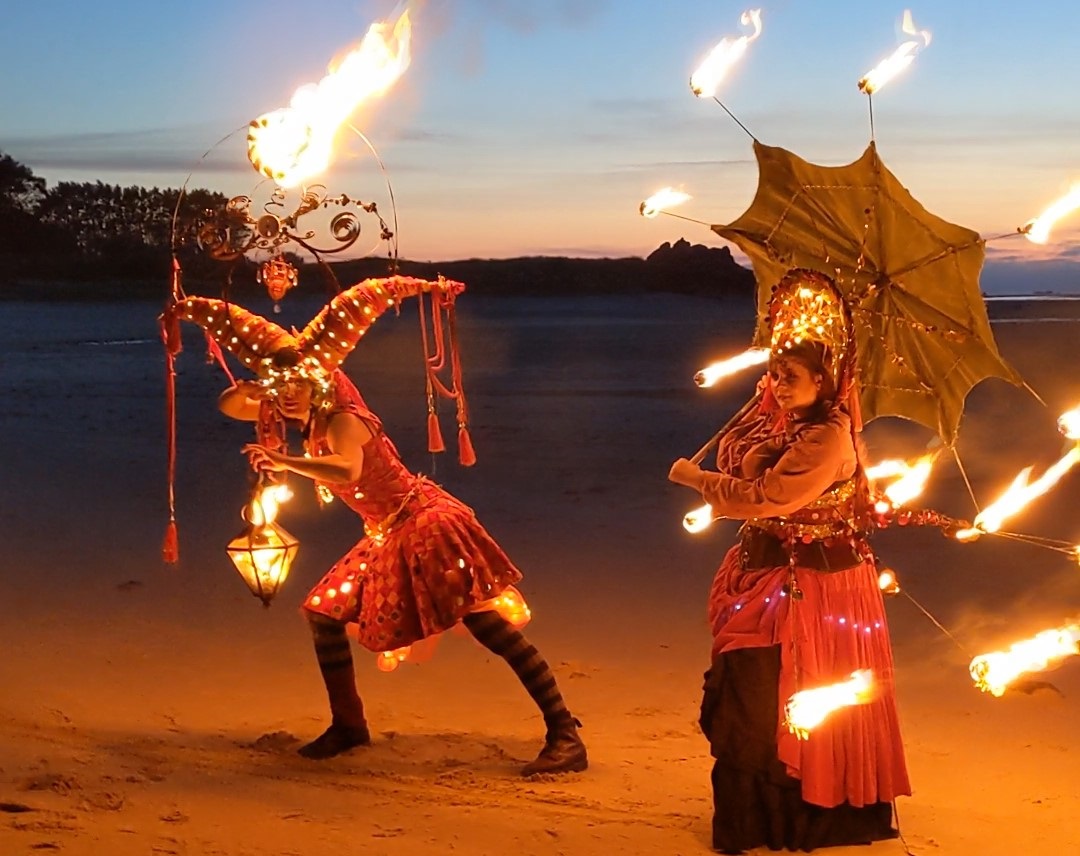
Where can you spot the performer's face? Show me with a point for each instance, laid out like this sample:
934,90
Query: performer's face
294,400
795,386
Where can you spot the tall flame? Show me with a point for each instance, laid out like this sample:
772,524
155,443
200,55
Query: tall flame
1019,495
706,80
994,672
807,709
715,372
264,508
295,143
900,59
667,197
1038,230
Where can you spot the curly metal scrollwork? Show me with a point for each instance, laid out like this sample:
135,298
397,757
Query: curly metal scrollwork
231,232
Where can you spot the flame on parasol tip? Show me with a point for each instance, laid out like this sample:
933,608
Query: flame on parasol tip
994,672
1038,230
707,78
668,197
1069,424
910,478
807,709
900,59
714,372
1019,495
292,144
698,520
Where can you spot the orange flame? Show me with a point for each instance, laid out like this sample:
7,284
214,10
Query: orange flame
910,479
1069,424
295,143
994,672
264,508
668,197
715,372
887,582
1038,230
1018,496
807,709
699,519
900,59
706,80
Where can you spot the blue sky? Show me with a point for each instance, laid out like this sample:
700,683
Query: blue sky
536,128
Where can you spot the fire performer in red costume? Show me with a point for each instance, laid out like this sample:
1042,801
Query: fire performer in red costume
796,604
425,562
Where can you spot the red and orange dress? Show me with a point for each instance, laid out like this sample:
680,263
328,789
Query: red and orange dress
424,562
796,605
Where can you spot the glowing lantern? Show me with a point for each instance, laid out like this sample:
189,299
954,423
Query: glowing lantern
264,552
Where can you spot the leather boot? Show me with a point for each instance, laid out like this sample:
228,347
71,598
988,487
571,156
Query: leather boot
563,752
336,739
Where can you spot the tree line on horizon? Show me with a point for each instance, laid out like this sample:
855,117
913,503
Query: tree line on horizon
56,241
87,230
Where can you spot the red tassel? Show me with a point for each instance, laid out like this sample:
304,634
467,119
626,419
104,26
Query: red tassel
466,453
170,549
434,434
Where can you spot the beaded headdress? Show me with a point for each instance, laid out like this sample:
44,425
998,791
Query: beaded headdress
806,306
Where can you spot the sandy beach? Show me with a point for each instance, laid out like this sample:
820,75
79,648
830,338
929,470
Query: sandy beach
147,709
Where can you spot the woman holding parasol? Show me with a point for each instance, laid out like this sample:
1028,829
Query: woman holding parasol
796,604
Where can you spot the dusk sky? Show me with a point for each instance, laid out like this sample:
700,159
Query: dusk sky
536,128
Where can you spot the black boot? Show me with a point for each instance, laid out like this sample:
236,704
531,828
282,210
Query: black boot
335,740
563,752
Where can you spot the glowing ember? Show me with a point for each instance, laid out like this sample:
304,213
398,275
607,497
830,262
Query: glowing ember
1038,230
706,80
294,143
661,200
910,479
807,709
1069,424
1017,497
713,373
900,59
994,672
698,520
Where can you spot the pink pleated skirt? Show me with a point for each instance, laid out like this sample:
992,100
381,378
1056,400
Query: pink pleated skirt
835,628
